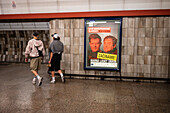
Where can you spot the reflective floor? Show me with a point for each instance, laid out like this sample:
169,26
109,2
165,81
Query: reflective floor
19,95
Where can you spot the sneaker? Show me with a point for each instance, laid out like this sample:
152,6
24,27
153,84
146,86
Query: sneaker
62,79
52,81
34,81
40,81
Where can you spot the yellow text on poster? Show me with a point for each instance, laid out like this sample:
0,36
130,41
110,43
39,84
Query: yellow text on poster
106,56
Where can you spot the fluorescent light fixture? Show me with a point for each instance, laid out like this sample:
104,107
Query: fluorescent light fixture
117,22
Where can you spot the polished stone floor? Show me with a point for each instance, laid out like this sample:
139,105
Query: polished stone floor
19,95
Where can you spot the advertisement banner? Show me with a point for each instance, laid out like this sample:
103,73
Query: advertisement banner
102,43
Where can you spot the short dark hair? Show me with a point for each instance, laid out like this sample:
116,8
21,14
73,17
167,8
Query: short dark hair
35,34
94,36
113,38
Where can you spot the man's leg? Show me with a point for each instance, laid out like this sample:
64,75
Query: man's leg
62,76
53,77
59,70
35,77
53,69
38,68
34,72
53,73
32,68
34,64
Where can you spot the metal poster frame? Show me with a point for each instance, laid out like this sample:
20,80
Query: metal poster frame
102,43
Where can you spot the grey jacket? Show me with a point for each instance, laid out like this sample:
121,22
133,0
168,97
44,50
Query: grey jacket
56,47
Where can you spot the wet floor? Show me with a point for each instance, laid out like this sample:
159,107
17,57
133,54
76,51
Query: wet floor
19,95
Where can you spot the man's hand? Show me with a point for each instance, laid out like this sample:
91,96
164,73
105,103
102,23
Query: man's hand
26,60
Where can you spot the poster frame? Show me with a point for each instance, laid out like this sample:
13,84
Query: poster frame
85,46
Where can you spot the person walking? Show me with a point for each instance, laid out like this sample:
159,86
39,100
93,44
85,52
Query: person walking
35,50
56,49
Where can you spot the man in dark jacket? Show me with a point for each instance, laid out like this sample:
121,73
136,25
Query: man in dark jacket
56,50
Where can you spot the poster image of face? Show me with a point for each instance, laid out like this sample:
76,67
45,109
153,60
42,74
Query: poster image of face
102,43
95,42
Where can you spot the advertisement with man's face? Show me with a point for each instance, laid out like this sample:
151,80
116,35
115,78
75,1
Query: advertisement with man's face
102,43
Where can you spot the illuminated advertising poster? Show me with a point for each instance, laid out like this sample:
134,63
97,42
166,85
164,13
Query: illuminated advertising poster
102,43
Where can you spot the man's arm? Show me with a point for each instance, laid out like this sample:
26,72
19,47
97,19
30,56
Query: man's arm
27,52
51,55
43,50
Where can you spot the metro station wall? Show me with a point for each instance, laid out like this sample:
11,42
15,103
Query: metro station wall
13,44
145,47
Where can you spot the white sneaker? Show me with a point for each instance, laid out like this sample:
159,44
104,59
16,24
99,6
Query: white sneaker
52,81
34,81
62,79
40,81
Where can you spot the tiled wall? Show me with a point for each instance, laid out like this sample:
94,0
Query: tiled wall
145,47
71,32
13,44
